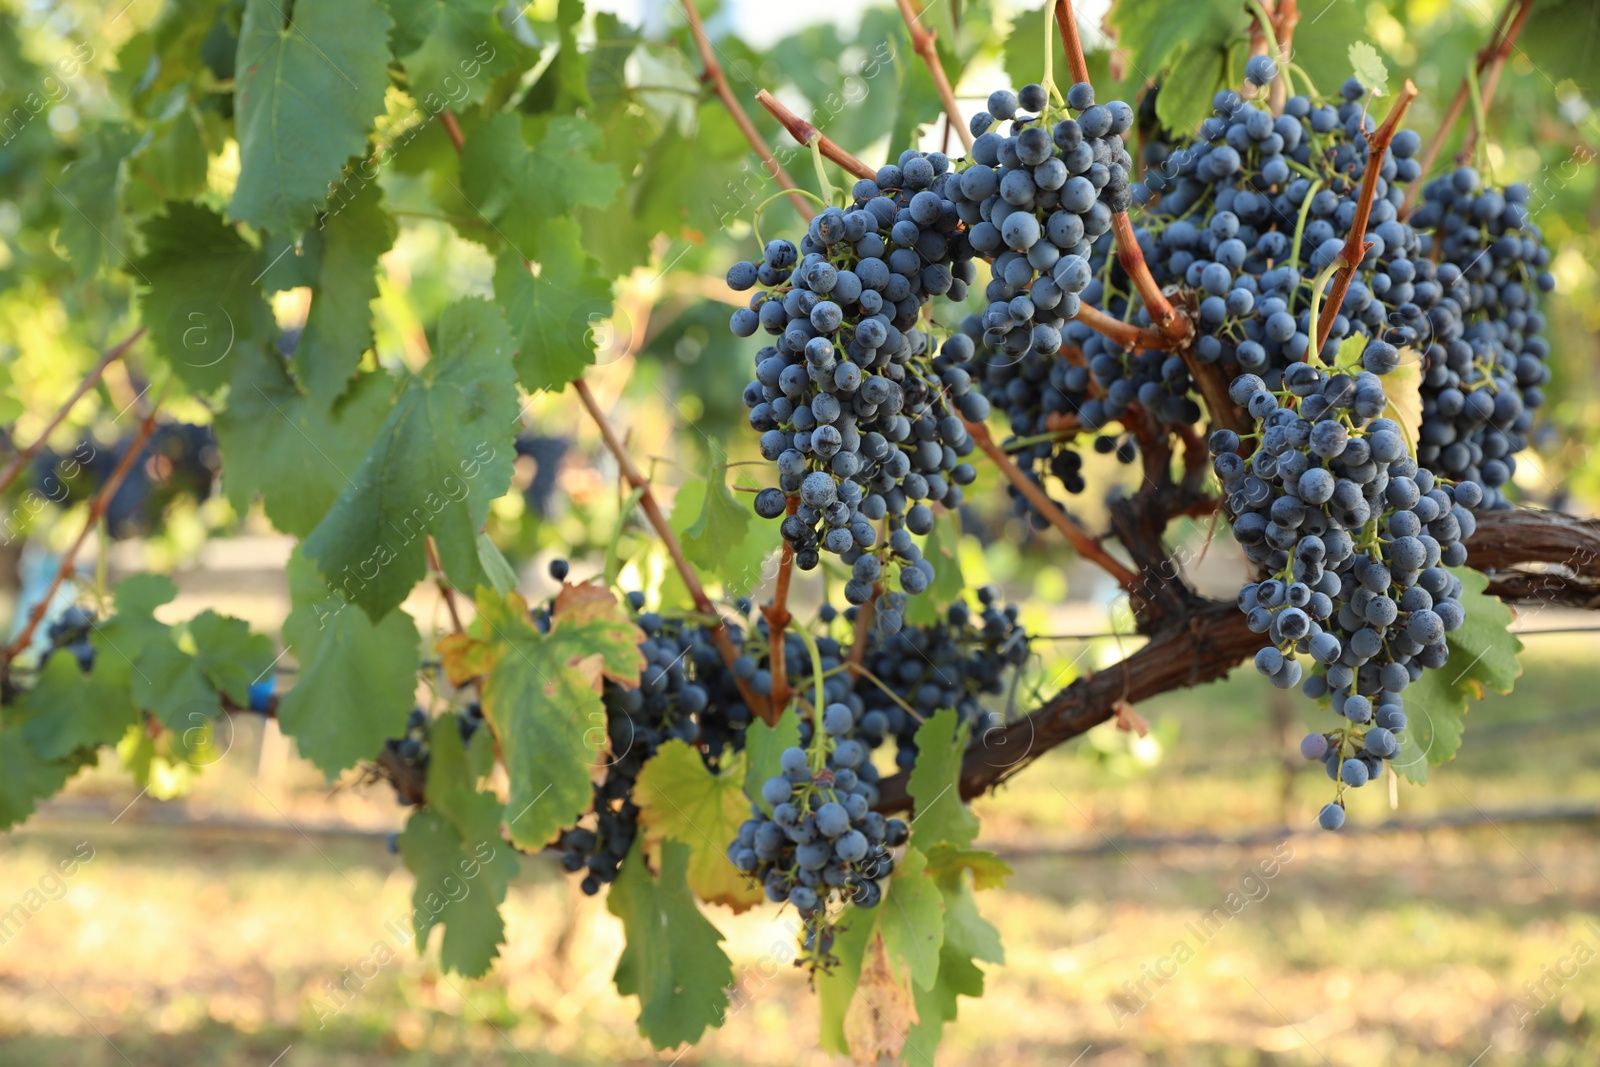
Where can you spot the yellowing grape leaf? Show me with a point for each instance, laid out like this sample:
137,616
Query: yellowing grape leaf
541,693
883,1009
679,798
1403,385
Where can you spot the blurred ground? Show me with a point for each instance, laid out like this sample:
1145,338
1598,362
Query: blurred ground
179,945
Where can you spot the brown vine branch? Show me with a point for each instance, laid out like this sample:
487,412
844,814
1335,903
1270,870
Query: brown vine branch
24,457
741,118
669,539
97,510
1491,76
805,133
1125,334
1167,318
1356,244
922,42
1458,104
1205,643
1085,545
452,130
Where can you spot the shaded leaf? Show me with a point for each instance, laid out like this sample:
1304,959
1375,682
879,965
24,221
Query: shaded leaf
339,328
357,679
673,960
555,313
935,784
306,96
444,452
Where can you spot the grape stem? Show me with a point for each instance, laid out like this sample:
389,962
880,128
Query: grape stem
719,82
669,539
1167,318
1356,245
805,133
1125,334
1085,545
445,588
23,458
922,42
777,616
97,510
819,737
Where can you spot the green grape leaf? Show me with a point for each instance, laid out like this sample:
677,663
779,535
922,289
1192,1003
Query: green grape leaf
911,918
305,98
444,452
69,710
553,314
943,550
90,190
452,51
357,679
1369,67
680,799
170,684
988,870
177,158
339,328
1348,358
1562,40
763,745
522,191
935,784
25,777
968,938
461,863
229,655
298,454
738,562
722,521
673,959
1321,40
502,576
1483,655
1186,45
201,303
541,692
563,85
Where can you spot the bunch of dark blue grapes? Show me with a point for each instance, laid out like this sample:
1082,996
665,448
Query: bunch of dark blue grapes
1037,195
70,631
1485,373
684,692
822,844
1354,537
847,400
1235,219
953,663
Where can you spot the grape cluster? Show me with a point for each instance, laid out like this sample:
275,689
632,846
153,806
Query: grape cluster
862,419
1354,537
1484,375
1037,196
71,632
950,664
821,843
684,692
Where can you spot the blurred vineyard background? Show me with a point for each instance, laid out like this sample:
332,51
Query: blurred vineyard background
212,916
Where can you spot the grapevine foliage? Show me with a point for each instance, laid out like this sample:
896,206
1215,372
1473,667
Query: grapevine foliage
245,168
